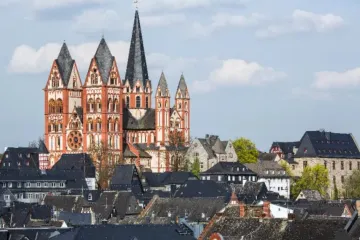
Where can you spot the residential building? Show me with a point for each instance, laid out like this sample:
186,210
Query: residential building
273,175
211,150
285,150
229,172
105,109
338,152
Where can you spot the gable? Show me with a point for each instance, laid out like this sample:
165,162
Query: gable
93,76
114,75
175,115
74,80
54,79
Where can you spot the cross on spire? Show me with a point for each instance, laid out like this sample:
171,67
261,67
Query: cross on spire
136,4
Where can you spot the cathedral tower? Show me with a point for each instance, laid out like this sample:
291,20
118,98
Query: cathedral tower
137,86
182,106
62,94
102,102
162,110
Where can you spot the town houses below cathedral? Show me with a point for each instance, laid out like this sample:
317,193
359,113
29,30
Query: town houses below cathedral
105,109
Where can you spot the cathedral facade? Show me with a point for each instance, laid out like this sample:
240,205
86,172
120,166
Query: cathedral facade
108,110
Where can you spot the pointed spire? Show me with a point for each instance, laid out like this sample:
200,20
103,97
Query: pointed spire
136,65
163,85
104,60
182,86
65,63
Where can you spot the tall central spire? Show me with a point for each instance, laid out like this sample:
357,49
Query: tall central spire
136,65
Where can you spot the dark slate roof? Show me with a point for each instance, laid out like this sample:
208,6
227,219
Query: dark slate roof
136,66
229,168
286,147
65,64
212,145
167,178
267,169
278,229
328,145
20,158
182,86
79,112
163,86
195,209
147,122
267,156
253,188
203,189
76,162
74,219
311,195
42,147
128,232
104,60
123,174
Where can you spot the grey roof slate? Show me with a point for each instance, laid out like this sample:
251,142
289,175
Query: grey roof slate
65,64
267,156
267,169
136,65
104,60
312,195
147,122
182,86
79,112
77,161
202,189
286,147
163,86
42,147
233,168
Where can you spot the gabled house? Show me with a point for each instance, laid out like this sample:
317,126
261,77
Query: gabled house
273,175
126,178
285,150
338,152
166,181
211,150
229,172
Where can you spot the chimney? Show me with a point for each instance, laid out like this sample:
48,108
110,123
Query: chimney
234,199
358,206
242,209
266,209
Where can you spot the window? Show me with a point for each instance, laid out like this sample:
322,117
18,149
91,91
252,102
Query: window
334,179
147,102
19,185
293,167
27,184
342,165
128,89
334,165
207,177
137,101
62,184
127,101
38,184
7,197
98,105
201,165
219,178
229,178
304,164
325,164
10,184
350,165
342,179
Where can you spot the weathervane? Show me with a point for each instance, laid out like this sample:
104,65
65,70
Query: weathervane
136,3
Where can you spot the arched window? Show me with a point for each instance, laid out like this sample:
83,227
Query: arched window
90,124
49,128
116,105
127,102
110,105
91,140
59,106
91,105
52,106
116,125
98,124
110,123
94,77
138,101
179,106
98,105
147,102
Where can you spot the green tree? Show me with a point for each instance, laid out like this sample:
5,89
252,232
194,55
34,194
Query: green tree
313,178
245,150
352,185
195,167
288,171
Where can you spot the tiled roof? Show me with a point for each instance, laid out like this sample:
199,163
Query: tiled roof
312,195
182,86
104,60
76,162
229,168
20,158
268,169
136,66
147,122
286,147
165,178
163,85
203,189
65,64
327,145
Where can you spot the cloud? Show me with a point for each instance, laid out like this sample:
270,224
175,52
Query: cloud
221,20
303,21
97,20
26,59
310,93
237,72
328,79
48,4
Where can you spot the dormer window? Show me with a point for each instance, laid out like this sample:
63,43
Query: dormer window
89,197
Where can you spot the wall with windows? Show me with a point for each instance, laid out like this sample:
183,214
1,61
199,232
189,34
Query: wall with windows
279,185
196,150
235,178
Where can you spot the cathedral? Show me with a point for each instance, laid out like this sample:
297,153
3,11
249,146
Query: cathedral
105,109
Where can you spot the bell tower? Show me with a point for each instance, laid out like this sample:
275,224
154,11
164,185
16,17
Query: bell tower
162,110
182,106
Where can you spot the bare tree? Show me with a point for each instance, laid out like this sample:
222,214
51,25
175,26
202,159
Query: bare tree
178,151
105,161
34,143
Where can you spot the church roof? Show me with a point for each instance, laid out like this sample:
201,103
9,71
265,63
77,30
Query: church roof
79,112
147,122
65,64
163,85
104,60
182,86
136,65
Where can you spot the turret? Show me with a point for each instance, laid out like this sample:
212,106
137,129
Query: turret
162,108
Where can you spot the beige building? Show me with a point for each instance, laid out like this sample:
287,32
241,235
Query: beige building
338,152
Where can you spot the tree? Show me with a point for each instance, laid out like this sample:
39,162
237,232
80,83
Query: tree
104,161
313,178
352,185
245,150
195,167
34,143
177,143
